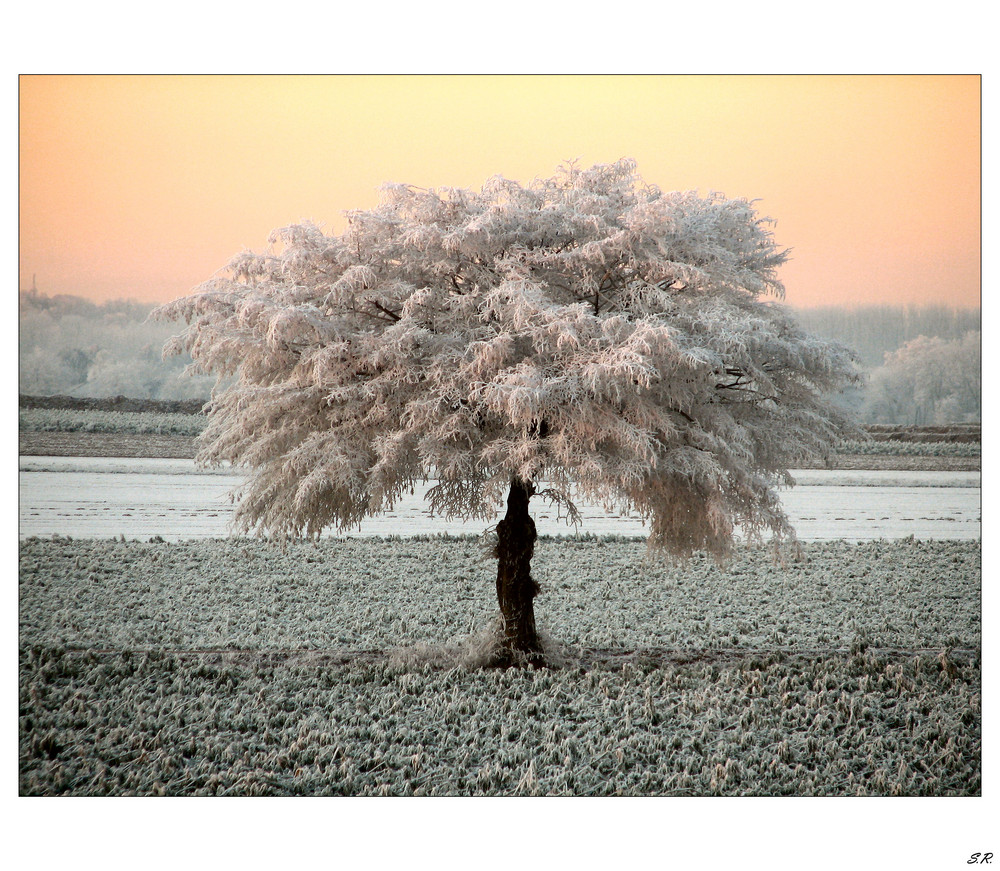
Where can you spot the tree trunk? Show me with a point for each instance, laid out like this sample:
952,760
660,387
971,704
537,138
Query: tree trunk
516,589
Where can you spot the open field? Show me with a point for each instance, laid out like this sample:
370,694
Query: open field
347,668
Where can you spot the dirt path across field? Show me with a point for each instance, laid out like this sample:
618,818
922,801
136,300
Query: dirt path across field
96,444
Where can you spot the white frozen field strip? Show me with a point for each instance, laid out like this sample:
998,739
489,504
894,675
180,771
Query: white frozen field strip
866,478
97,497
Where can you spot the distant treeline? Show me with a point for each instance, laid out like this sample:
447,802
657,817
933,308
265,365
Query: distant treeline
70,345
876,330
923,361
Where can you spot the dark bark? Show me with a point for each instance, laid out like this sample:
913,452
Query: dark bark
516,589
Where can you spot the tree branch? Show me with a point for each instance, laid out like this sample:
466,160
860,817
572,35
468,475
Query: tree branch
394,315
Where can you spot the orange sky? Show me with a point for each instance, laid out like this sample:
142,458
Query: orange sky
142,187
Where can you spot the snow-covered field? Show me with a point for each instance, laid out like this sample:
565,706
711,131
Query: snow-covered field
202,665
99,497
336,668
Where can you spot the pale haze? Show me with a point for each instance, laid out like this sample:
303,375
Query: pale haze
144,186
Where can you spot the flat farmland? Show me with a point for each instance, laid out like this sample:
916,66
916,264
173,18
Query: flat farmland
212,665
349,667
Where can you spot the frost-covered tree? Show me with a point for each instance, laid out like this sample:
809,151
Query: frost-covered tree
928,380
586,336
67,344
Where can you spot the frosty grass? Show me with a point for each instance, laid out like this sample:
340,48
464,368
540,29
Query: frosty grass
344,668
125,422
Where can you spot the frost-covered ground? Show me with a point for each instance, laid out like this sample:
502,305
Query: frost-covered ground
232,667
124,422
97,497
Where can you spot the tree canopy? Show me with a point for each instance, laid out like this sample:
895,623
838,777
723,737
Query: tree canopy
586,332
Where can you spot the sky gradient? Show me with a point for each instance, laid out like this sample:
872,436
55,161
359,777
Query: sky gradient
143,186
